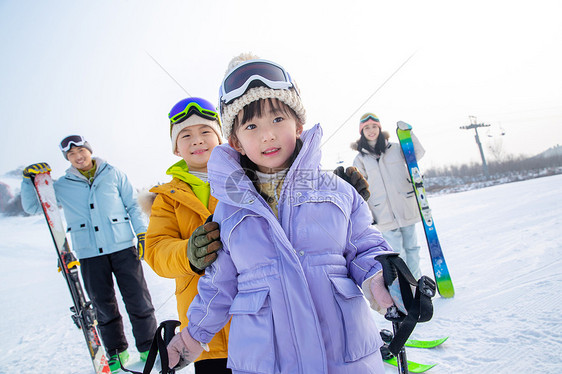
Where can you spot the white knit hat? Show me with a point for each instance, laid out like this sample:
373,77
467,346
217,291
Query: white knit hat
192,121
288,96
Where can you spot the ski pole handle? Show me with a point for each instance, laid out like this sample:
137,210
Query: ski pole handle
169,330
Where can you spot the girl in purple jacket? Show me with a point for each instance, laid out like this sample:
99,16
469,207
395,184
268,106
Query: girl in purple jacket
297,243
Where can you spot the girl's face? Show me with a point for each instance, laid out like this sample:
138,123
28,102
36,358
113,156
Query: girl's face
371,131
195,144
268,140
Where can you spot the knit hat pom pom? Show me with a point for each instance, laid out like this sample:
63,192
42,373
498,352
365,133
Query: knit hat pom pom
242,57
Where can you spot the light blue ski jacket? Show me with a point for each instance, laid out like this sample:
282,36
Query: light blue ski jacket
98,216
290,284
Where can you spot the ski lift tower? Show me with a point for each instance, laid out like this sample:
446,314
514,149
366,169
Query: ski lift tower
474,125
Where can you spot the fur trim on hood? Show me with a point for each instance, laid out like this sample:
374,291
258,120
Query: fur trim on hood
146,199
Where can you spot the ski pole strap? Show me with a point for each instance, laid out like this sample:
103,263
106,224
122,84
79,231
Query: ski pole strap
410,308
159,345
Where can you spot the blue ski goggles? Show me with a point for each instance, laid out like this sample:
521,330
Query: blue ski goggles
192,105
253,73
72,140
367,117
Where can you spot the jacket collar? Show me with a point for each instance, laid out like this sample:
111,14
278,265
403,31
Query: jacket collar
186,196
73,173
180,170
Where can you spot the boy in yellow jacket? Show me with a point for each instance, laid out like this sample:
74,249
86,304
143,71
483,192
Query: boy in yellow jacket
178,242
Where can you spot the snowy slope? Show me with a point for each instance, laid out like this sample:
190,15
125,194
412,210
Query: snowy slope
37,334
502,245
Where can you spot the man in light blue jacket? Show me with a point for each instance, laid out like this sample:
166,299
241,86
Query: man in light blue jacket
99,205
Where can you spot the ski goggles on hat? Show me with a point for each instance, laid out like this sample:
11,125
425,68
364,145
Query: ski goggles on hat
190,106
253,73
72,140
367,117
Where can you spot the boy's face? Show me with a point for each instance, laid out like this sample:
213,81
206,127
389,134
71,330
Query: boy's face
268,141
194,145
371,130
80,158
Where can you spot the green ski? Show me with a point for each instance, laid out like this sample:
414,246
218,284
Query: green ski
413,367
425,343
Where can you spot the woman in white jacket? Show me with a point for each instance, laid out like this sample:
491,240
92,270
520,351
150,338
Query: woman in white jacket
392,202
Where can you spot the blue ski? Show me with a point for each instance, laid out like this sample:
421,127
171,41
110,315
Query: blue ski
440,270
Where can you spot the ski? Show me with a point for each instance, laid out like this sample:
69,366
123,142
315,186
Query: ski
413,367
387,335
440,270
84,315
414,343
389,358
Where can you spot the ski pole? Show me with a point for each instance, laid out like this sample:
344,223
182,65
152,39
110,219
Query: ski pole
158,345
401,357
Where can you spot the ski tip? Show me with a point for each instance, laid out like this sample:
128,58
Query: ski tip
445,286
414,343
413,367
403,125
446,295
419,368
446,292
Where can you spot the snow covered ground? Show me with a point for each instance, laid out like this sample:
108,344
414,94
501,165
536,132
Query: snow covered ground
502,245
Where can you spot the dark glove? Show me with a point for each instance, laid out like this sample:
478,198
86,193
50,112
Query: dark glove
203,245
356,179
140,244
34,169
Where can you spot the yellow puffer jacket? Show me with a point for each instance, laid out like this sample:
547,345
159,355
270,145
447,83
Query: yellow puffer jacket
176,213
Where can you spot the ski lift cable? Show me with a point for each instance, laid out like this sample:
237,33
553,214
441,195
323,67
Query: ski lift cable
369,98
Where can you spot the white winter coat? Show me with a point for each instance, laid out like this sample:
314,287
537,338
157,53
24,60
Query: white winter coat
392,202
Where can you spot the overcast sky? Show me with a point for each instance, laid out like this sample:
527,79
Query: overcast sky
111,71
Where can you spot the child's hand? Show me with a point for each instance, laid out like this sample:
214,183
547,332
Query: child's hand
203,245
356,179
375,291
183,350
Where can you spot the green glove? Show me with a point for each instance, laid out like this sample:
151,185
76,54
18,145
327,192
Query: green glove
34,169
203,245
356,179
140,244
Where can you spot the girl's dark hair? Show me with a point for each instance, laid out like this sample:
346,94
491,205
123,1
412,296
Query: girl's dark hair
362,145
257,109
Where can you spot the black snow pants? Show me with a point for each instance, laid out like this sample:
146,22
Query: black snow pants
98,281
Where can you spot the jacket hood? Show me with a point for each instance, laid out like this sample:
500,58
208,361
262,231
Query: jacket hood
145,199
230,184
180,170
201,189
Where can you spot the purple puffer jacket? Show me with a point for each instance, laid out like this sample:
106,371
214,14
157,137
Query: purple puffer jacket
290,284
